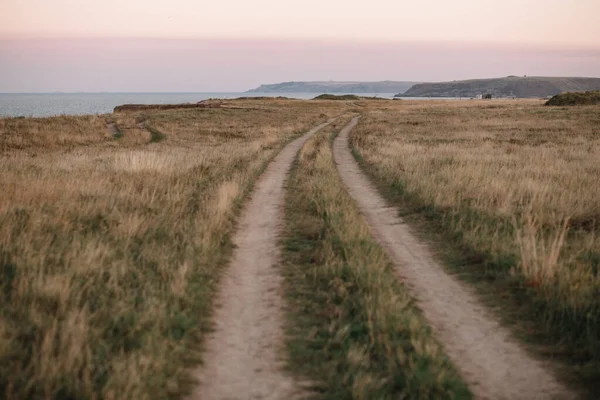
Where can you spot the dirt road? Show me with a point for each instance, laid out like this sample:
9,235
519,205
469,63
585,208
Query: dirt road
493,364
243,358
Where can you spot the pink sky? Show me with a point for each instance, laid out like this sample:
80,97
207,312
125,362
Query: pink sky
232,45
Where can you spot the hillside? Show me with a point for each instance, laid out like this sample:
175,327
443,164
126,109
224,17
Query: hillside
575,99
511,86
334,87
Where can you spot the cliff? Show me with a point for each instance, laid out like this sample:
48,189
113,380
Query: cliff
511,86
334,87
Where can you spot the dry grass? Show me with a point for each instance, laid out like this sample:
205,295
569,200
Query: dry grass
50,133
515,184
110,248
353,327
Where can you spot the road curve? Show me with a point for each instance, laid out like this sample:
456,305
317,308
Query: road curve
493,365
243,357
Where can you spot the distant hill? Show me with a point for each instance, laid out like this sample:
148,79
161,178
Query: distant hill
511,86
334,87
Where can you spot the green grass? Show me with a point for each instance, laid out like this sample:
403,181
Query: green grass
118,133
155,134
353,329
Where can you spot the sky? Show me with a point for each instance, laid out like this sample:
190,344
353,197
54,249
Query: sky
234,45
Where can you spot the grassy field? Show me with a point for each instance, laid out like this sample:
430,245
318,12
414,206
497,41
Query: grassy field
113,232
513,189
353,329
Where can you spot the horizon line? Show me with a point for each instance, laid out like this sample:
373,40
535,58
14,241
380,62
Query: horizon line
318,81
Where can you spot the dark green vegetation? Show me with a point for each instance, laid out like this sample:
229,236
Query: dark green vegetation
155,134
146,107
575,99
347,97
512,86
353,329
263,98
337,97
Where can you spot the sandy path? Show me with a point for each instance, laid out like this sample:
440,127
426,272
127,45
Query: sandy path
243,355
491,363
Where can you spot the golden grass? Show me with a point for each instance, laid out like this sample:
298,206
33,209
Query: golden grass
23,133
353,328
514,183
110,249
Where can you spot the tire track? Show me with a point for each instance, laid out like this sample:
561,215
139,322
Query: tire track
243,355
493,365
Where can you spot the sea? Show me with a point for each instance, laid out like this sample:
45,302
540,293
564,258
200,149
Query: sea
51,104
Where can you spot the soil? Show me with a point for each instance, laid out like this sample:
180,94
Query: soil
244,355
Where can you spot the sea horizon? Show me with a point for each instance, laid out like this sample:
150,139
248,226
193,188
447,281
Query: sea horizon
151,92
48,104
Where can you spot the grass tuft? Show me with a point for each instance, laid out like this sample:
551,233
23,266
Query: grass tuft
155,134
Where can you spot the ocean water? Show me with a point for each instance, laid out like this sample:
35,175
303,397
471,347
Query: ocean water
49,104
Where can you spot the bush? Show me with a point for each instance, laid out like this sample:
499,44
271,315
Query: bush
575,99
